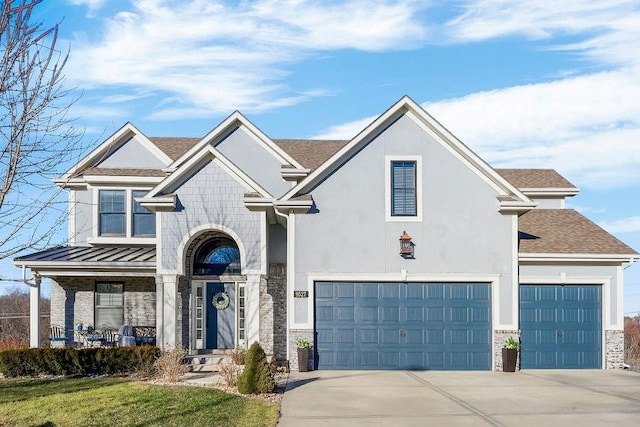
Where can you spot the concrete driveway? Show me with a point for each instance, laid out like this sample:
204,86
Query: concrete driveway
420,398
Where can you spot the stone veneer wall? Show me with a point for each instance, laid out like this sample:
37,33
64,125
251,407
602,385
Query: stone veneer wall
499,337
614,349
307,334
273,311
73,300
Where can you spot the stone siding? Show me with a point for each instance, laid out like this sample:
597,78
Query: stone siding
614,349
273,311
294,334
73,300
499,337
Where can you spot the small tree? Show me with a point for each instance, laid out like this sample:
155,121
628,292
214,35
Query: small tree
256,377
37,140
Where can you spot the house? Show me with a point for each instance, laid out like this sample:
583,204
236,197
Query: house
398,249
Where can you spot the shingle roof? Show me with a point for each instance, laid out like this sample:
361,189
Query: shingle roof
123,172
88,254
310,153
174,147
565,231
535,178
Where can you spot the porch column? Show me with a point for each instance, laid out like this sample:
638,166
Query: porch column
166,310
34,313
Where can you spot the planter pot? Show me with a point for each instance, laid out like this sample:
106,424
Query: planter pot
303,359
509,359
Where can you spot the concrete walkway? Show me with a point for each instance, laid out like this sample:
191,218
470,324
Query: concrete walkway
418,398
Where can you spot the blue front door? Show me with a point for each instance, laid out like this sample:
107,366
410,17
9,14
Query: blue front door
443,326
220,317
561,326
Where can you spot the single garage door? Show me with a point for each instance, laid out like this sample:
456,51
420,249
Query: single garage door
561,326
403,325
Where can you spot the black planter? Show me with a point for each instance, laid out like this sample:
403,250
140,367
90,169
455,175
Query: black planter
303,359
509,359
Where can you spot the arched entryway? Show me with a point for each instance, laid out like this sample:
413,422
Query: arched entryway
218,293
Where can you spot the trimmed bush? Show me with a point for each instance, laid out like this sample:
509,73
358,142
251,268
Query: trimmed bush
69,361
256,377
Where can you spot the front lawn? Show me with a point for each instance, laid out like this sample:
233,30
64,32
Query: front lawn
117,401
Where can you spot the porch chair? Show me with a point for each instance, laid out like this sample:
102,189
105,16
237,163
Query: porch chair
57,334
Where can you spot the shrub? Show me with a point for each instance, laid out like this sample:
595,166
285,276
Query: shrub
69,361
170,365
256,377
238,355
230,373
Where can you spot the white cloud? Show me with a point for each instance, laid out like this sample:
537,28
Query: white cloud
218,57
587,127
612,26
92,5
626,225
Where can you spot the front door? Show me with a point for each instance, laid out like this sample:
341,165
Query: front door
220,322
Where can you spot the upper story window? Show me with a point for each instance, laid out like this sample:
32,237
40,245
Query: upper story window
144,221
119,215
112,213
403,188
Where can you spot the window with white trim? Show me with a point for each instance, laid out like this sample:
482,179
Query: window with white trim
403,188
144,221
120,216
113,215
109,305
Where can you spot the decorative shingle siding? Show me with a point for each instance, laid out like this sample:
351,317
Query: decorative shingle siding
196,208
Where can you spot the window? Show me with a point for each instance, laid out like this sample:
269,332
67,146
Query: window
403,188
112,213
218,256
109,309
144,221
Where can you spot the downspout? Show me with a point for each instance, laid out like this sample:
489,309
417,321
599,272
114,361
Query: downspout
34,307
289,274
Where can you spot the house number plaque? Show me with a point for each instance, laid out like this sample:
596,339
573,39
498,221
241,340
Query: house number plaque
301,294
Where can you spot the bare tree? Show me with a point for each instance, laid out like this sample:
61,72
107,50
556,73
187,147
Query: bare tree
37,138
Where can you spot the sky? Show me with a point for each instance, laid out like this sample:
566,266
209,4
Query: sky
544,84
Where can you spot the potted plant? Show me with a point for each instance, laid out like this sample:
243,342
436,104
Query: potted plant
303,346
510,354
78,326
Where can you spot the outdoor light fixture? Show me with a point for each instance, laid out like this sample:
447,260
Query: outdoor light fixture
406,246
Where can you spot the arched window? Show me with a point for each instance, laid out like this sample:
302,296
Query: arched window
218,256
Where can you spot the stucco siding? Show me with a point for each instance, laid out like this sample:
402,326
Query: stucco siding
83,215
613,312
245,152
209,198
132,155
462,231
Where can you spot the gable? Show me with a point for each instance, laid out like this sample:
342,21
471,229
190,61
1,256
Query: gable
131,154
255,159
509,197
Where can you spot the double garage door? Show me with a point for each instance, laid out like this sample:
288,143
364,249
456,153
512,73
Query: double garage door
436,326
447,326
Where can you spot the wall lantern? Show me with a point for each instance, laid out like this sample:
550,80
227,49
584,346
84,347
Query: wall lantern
406,246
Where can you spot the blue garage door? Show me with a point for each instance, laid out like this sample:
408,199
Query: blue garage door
561,326
403,326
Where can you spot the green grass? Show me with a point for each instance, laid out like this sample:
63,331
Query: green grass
116,401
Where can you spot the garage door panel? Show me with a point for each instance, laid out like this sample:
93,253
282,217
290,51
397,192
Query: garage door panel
563,333
403,328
